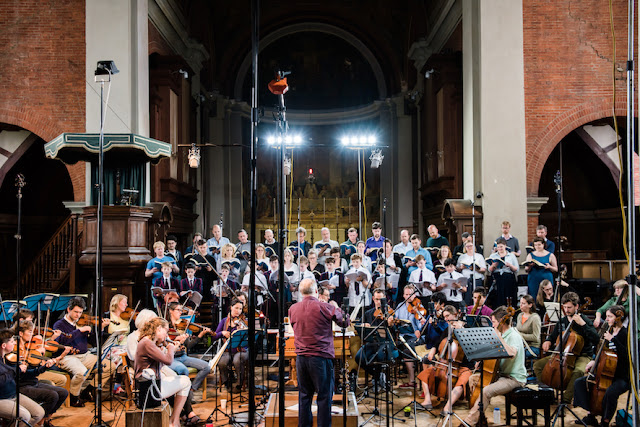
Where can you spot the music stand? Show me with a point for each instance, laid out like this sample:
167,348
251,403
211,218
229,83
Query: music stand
43,301
62,301
9,309
480,344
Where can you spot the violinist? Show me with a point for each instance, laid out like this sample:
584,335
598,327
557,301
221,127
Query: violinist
51,397
422,278
191,282
181,362
411,326
479,307
581,325
239,356
512,370
615,339
428,375
117,306
29,410
81,364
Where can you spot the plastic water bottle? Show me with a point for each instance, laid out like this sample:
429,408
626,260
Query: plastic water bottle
496,415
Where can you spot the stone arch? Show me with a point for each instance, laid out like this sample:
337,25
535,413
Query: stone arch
317,27
559,127
46,129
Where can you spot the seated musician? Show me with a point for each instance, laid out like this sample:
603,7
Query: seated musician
512,370
336,283
453,291
427,376
620,290
432,331
81,364
191,282
117,306
50,397
358,292
181,361
422,278
239,356
581,325
153,269
29,410
547,293
374,352
410,327
529,325
479,306
615,339
149,354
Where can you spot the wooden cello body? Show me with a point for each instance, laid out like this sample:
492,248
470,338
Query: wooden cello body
605,370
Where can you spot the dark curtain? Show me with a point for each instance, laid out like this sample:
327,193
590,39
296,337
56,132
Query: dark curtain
131,178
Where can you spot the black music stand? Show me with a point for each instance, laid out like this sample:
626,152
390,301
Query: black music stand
480,344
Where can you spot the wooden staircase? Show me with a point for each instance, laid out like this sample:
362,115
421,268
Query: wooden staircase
56,264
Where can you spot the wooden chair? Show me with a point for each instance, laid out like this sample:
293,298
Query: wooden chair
126,381
192,374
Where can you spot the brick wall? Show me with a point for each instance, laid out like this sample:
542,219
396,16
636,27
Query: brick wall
42,70
568,61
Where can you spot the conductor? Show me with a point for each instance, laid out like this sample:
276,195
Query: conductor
311,321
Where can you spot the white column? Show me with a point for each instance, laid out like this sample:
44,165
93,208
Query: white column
494,127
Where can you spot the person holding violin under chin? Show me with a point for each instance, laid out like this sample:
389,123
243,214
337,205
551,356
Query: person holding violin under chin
81,364
50,397
117,306
410,318
183,334
239,356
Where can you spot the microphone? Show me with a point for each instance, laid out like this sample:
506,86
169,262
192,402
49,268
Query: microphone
383,304
431,308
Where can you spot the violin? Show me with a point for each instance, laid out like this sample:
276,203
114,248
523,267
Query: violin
570,344
32,358
86,320
195,328
37,342
239,322
129,314
490,367
380,315
48,332
416,308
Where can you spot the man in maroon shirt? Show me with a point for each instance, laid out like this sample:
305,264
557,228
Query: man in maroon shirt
311,320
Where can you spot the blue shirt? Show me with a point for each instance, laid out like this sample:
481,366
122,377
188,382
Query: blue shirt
373,243
152,263
427,257
213,243
403,314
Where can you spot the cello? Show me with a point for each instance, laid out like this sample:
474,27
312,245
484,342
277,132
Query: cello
558,370
490,367
602,374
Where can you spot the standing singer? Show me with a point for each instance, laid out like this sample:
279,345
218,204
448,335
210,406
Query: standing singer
311,320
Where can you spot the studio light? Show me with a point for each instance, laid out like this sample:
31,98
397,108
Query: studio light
194,156
376,158
358,141
290,140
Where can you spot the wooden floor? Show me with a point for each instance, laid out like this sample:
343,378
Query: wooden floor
83,416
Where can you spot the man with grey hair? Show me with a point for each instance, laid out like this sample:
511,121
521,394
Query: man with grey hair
405,245
325,245
311,321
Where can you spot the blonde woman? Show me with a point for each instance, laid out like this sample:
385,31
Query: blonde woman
226,257
117,306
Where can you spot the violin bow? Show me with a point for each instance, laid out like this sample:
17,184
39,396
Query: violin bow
134,310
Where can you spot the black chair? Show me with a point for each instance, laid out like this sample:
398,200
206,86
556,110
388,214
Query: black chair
528,398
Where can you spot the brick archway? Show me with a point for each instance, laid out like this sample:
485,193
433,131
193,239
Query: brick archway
47,130
546,141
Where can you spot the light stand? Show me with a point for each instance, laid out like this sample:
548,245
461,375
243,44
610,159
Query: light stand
360,232
20,183
103,73
345,400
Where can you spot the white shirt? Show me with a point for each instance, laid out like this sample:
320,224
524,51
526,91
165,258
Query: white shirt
401,248
480,263
453,294
366,262
427,276
331,243
351,293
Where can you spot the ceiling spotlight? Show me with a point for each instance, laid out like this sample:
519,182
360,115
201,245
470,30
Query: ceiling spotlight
372,140
376,158
297,139
194,156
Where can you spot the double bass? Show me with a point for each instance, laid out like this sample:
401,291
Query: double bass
558,370
490,372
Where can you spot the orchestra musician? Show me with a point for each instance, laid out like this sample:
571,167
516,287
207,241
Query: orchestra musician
410,327
529,325
239,356
581,325
150,355
311,321
512,370
620,290
50,396
117,306
616,341
81,364
503,267
427,376
479,306
29,410
181,361
432,331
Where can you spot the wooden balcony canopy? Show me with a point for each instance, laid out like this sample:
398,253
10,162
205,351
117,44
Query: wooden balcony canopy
120,149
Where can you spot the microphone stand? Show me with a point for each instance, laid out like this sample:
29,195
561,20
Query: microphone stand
345,400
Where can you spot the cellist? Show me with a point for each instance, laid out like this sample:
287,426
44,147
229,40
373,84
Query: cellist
513,372
581,325
616,340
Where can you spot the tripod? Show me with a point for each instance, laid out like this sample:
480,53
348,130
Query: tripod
414,403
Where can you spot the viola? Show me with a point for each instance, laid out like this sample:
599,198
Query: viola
86,320
490,367
416,308
195,328
570,344
48,332
129,314
476,307
380,315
